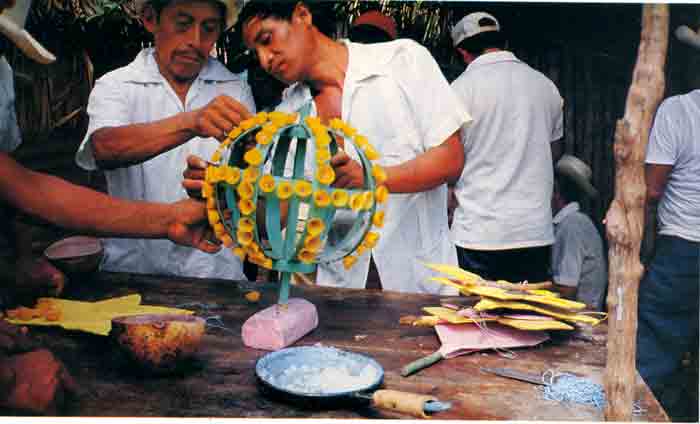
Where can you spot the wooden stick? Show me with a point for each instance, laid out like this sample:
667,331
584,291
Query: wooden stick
624,221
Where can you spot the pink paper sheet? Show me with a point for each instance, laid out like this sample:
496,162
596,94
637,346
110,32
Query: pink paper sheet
458,339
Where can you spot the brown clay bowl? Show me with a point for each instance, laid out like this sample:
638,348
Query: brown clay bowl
76,255
158,343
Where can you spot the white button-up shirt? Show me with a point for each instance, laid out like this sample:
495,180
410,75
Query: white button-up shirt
138,93
505,190
395,95
10,136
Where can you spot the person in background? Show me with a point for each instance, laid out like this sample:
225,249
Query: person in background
579,269
146,118
32,379
365,85
668,293
373,27
503,224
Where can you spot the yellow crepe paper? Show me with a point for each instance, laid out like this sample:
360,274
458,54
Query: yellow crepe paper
489,304
502,294
450,315
534,325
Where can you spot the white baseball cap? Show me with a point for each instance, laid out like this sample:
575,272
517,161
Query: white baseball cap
469,26
12,22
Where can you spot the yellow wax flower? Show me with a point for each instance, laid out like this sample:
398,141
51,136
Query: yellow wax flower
267,263
232,175
253,157
267,183
378,219
321,198
336,124
322,156
312,243
357,200
245,190
306,256
216,157
367,200
361,141
278,118
322,139
246,206
371,152
349,261
235,133
263,138
284,190
244,237
381,194
210,175
248,124
213,216
211,203
254,249
360,250
349,131
339,198
379,174
270,129
219,229
246,224
313,121
303,189
239,252
251,174
315,226
370,240
207,190
325,174
261,118
226,240
292,118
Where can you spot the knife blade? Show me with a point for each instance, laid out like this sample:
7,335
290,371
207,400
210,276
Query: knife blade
517,375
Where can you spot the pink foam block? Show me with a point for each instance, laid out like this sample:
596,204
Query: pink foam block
279,326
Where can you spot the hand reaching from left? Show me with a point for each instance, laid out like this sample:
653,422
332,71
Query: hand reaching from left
191,228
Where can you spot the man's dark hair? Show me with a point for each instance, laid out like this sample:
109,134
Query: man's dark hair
368,34
477,44
283,10
159,5
567,188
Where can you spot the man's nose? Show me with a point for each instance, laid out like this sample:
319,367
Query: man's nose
265,59
194,36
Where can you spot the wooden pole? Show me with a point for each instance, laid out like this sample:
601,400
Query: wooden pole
625,218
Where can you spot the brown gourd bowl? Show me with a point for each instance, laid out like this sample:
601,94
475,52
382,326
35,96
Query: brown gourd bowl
76,255
158,343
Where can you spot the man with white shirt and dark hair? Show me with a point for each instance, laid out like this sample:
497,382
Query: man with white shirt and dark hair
503,223
172,101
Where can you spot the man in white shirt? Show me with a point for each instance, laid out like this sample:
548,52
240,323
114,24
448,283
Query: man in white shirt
578,259
173,100
395,95
503,224
668,293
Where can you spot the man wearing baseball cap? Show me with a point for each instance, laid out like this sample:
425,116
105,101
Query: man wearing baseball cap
578,257
503,223
146,118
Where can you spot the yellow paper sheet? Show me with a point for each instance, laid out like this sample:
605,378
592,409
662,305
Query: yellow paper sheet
96,317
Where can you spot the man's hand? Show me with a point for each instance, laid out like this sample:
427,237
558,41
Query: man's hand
191,228
348,173
194,176
35,382
219,117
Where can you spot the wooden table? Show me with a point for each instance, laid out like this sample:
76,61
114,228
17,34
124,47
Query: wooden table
222,381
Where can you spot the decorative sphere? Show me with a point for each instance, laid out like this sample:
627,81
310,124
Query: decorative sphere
273,173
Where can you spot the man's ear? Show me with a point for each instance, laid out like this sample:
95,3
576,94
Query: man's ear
302,14
149,17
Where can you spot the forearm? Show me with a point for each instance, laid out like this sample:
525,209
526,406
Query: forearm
79,208
116,147
439,165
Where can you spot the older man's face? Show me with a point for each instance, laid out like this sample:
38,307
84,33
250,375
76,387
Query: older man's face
282,47
184,34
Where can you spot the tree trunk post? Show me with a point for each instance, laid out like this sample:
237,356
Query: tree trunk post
624,220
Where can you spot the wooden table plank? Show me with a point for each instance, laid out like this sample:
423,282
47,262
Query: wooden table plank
221,381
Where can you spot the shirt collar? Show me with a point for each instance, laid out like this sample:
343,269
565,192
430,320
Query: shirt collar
565,211
494,57
146,69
